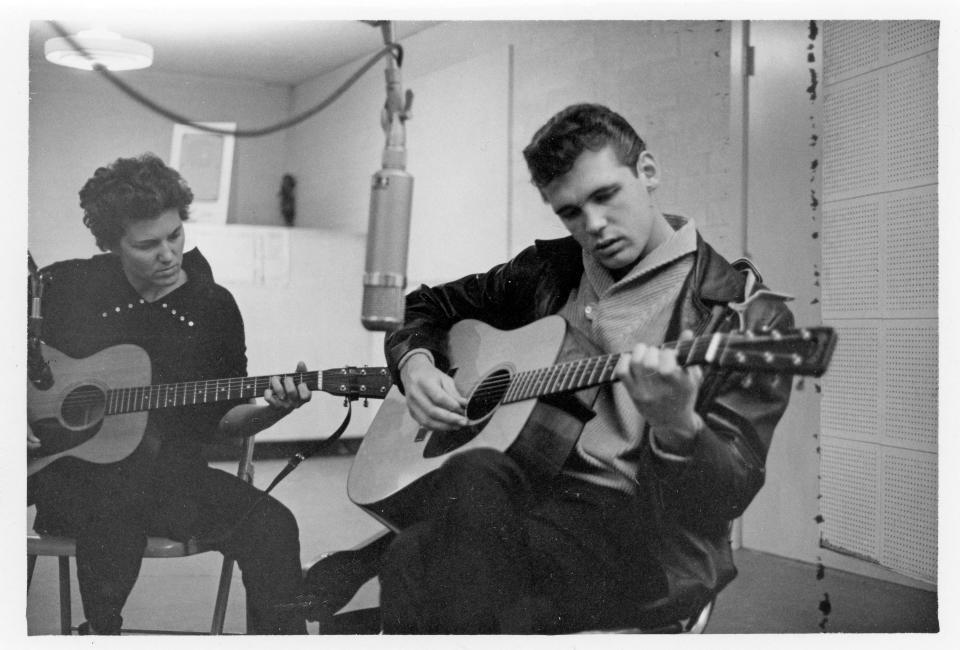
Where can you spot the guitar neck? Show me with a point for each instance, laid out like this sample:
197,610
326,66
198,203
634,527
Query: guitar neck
571,375
797,352
208,391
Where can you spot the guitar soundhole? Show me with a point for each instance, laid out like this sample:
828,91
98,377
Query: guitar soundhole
483,402
488,394
83,407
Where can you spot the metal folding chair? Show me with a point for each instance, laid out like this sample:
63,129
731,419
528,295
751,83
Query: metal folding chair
63,548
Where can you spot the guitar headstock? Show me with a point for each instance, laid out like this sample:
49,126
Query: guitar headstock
356,382
805,351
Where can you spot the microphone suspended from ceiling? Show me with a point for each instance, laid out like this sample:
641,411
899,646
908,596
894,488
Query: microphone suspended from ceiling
391,195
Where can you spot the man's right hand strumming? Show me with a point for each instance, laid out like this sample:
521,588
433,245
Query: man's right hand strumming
432,397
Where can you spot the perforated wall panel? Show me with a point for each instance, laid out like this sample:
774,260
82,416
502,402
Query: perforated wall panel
849,46
849,475
850,403
910,122
909,384
852,47
851,138
879,411
909,540
908,37
911,264
851,281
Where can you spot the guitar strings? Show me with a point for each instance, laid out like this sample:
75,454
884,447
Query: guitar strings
564,372
90,395
205,389
555,378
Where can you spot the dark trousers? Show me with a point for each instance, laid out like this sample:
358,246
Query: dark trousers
111,529
491,554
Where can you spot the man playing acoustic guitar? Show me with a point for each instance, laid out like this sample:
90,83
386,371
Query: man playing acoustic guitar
633,529
146,291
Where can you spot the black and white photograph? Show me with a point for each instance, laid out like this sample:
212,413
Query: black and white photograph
555,324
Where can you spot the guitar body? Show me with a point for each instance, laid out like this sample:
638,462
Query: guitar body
96,409
519,404
396,452
69,417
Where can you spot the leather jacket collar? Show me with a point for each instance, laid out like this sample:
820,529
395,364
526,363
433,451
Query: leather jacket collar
716,281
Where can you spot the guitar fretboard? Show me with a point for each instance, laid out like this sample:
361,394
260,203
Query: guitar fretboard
591,371
188,393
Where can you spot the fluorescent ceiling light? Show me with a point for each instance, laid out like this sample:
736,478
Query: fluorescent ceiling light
101,46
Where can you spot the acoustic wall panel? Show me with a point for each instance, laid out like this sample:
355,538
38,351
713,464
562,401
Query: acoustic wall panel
880,130
909,521
849,47
905,38
879,411
880,503
853,47
910,122
850,405
909,387
849,504
880,255
851,281
852,144
911,277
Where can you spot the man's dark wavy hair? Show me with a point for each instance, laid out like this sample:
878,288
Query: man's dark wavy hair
131,189
558,143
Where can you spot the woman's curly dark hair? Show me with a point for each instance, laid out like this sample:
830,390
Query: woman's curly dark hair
131,189
556,146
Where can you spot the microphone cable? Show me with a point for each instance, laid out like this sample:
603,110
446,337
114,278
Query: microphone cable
394,49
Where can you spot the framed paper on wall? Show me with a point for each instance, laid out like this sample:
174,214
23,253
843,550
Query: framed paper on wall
205,160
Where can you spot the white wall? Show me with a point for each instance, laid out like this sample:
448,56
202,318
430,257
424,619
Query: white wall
300,302
781,238
484,88
79,121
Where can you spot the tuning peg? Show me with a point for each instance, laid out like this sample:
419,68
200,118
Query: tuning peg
366,402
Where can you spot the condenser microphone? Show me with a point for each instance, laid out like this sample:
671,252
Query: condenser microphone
391,196
388,235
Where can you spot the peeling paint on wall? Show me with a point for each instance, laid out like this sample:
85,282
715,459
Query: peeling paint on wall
824,606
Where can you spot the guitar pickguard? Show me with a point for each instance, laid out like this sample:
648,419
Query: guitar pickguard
55,438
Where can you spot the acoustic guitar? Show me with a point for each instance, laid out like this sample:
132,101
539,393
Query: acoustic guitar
96,408
515,380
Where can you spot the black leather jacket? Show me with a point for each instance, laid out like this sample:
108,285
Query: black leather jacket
690,503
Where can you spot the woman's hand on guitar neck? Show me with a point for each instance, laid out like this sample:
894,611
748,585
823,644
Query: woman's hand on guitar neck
432,398
281,399
285,396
